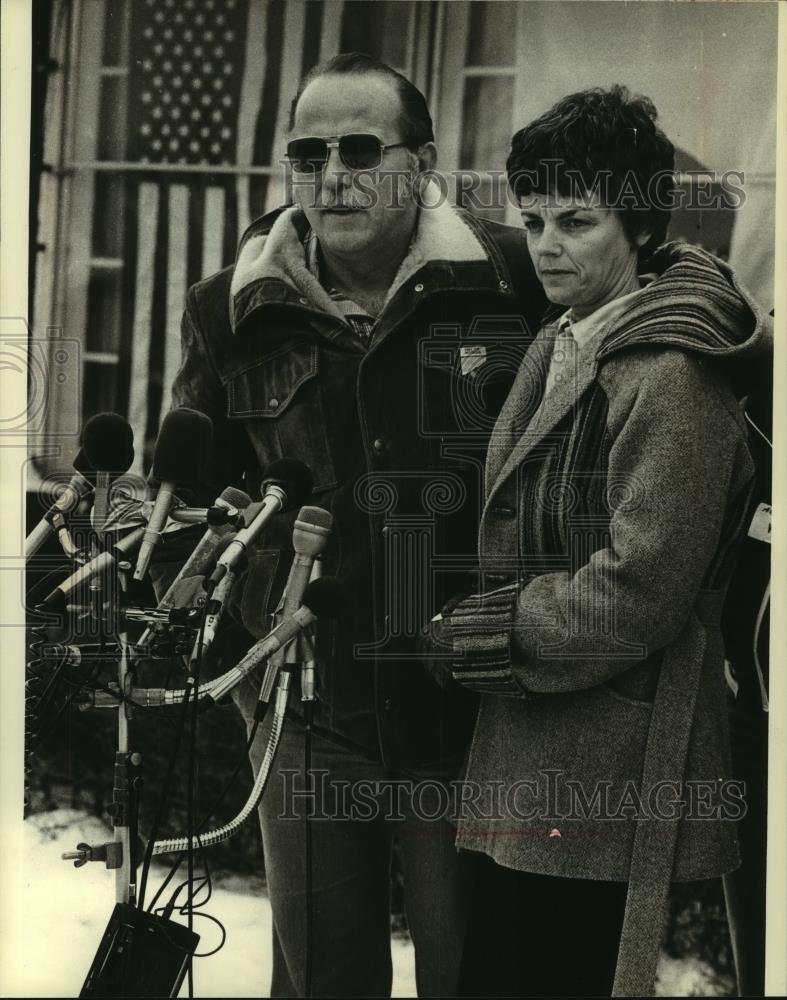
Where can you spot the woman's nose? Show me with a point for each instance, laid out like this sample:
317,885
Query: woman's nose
549,241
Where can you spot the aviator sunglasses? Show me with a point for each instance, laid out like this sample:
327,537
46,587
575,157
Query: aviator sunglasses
357,151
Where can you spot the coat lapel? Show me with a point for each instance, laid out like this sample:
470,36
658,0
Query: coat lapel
521,425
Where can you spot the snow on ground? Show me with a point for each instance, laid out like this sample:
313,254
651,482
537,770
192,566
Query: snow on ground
64,911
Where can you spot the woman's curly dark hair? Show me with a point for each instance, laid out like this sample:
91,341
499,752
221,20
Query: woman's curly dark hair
605,141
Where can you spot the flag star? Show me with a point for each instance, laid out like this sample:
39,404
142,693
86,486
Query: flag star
188,36
178,49
194,146
174,145
219,51
195,115
220,19
166,97
217,84
167,65
208,36
205,100
226,100
178,18
158,16
158,80
204,131
168,34
165,129
183,130
177,81
158,48
197,83
145,129
175,113
215,147
199,19
148,32
229,36
156,144
216,116
147,97
226,132
147,65
187,66
198,50
157,113
227,68
185,97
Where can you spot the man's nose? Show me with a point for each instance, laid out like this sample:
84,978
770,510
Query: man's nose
335,174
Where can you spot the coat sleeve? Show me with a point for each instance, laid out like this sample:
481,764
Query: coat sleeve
681,468
197,385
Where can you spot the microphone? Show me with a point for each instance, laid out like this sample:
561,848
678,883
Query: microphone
309,537
287,484
108,445
183,589
181,451
55,601
322,598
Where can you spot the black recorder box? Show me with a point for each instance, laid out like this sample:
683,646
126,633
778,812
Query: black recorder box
140,955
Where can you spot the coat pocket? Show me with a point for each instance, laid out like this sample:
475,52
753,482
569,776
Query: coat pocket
280,399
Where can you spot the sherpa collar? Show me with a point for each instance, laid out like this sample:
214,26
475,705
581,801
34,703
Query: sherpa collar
279,255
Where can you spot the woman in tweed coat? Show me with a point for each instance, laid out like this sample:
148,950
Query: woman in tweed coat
616,486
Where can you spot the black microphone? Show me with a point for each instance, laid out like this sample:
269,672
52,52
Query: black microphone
322,598
179,459
108,445
287,484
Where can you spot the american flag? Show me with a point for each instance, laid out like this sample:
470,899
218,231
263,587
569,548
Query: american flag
208,88
185,80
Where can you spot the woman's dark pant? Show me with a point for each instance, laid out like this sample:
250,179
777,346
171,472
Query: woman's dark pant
540,935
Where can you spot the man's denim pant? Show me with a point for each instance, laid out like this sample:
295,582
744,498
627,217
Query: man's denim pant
352,832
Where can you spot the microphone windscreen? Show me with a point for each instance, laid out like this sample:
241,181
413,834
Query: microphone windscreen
236,498
182,447
311,530
325,597
107,444
293,477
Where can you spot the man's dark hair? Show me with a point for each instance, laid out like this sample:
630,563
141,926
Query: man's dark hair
603,140
414,118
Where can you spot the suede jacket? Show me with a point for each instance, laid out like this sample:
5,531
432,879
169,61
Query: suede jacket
394,432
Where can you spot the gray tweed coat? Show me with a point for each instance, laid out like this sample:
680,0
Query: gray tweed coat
606,544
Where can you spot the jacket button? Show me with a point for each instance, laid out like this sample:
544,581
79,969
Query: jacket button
503,285
379,445
419,287
302,300
273,403
387,705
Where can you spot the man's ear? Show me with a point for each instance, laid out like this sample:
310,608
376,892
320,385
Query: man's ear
427,157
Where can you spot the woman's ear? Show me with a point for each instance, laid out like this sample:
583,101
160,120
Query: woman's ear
642,238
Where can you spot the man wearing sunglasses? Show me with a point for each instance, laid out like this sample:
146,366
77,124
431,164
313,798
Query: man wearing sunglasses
372,332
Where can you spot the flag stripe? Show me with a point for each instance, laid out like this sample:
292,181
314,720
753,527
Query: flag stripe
250,101
294,23
213,231
331,29
147,222
177,285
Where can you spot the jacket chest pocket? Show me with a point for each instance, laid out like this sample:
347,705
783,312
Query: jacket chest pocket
280,399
